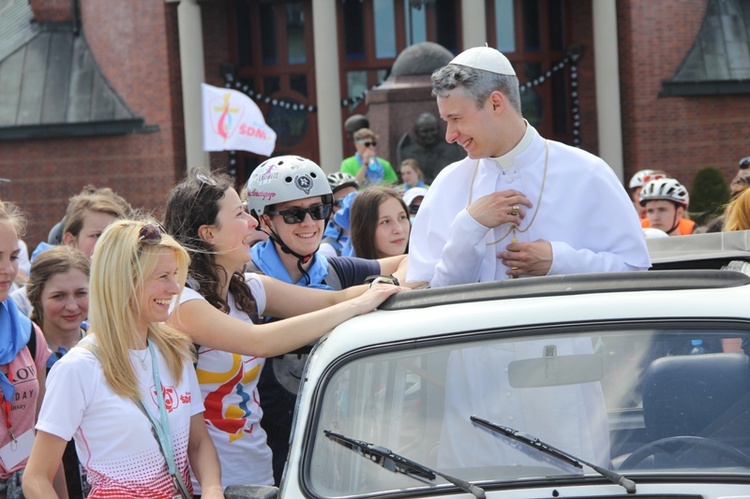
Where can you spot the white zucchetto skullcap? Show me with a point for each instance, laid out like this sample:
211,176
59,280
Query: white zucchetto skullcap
486,59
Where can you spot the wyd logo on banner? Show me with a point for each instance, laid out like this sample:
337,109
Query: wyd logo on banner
231,121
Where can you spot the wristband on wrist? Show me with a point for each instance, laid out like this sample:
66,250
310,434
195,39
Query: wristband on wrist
388,279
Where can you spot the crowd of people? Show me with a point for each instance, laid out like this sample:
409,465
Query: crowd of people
663,204
195,328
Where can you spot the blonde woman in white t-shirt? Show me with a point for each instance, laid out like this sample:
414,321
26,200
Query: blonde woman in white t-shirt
130,357
205,214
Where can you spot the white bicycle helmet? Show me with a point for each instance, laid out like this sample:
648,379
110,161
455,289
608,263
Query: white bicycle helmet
653,233
639,178
339,180
667,189
285,178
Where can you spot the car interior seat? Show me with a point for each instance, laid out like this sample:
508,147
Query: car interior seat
704,395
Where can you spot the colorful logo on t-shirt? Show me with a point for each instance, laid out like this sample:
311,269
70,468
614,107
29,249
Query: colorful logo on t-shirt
171,400
228,405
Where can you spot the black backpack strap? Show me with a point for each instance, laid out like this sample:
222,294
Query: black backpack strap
31,344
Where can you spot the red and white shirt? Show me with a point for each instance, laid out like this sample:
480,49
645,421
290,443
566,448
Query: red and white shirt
113,438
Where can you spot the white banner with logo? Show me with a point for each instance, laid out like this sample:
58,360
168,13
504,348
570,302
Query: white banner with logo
232,121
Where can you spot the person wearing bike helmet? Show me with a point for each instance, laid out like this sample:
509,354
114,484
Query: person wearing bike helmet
293,200
666,203
335,237
637,182
342,184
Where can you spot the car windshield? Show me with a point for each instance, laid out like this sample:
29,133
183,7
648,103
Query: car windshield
627,397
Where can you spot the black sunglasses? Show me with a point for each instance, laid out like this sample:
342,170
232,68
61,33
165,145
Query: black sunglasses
151,234
745,163
297,215
368,143
413,208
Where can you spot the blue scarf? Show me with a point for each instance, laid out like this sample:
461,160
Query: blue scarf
15,329
341,217
333,231
267,259
348,249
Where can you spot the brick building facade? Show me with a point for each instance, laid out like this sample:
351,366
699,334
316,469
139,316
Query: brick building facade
678,134
137,46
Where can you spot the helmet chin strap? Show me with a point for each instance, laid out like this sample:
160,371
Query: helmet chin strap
676,222
301,259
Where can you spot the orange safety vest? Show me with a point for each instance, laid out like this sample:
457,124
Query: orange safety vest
684,227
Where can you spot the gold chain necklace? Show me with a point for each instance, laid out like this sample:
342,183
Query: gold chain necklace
514,228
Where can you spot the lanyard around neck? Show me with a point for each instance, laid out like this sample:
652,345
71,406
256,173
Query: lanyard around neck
161,428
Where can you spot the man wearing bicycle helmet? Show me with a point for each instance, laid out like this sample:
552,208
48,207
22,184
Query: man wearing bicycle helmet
666,203
292,200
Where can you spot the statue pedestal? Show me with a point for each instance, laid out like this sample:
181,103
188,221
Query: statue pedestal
394,106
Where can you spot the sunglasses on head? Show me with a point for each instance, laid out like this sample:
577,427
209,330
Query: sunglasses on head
297,215
205,180
368,143
151,234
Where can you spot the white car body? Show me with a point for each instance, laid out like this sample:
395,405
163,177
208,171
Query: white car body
391,378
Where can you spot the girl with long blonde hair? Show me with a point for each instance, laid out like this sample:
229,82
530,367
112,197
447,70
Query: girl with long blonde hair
131,369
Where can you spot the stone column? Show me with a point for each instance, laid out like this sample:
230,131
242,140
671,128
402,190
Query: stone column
193,74
327,89
607,78
473,24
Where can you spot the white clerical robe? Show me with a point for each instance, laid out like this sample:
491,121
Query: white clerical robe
587,216
583,211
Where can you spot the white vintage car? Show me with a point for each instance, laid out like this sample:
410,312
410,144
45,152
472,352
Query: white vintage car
601,385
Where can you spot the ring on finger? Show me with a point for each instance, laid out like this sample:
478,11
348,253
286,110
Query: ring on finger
515,210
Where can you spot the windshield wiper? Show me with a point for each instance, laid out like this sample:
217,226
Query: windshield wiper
537,444
399,464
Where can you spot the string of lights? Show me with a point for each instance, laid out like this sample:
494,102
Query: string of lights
570,60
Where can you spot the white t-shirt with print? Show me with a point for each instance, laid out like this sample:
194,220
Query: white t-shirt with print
229,386
113,438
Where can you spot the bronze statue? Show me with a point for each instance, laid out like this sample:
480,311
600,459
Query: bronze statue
428,147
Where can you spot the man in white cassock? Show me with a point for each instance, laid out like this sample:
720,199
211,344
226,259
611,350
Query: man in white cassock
518,205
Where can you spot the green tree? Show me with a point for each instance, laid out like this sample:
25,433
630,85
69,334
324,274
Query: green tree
709,195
